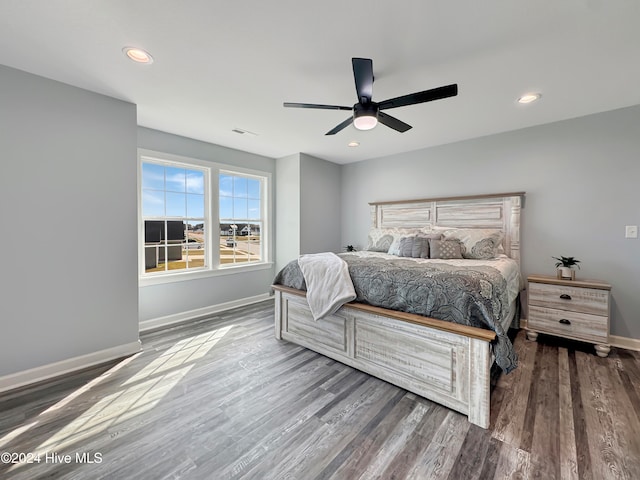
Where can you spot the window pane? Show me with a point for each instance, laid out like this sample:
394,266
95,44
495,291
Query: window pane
195,232
169,195
193,252
239,208
195,182
152,176
163,245
240,243
175,232
152,259
195,206
152,203
176,179
240,187
176,205
240,200
253,209
227,243
226,185
153,232
254,188
226,208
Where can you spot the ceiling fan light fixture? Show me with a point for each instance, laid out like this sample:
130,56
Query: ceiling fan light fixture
365,117
365,122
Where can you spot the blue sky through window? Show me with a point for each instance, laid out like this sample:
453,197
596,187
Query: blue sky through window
172,191
239,197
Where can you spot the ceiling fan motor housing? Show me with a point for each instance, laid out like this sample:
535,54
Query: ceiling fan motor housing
365,116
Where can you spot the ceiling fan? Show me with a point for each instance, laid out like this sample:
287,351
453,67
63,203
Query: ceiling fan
367,113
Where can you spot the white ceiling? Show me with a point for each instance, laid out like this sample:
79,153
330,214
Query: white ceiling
221,65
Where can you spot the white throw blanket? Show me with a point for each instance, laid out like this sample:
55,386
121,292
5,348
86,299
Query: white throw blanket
328,282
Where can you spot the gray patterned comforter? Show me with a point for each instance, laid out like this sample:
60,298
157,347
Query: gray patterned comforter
468,295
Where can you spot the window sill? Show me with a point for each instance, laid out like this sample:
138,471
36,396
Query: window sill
200,274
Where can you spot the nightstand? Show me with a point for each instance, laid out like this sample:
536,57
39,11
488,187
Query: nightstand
575,309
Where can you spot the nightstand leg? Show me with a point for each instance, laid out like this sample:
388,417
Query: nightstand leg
533,336
603,350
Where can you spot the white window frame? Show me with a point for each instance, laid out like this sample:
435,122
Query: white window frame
212,210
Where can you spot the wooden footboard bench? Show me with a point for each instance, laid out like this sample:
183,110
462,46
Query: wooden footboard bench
442,361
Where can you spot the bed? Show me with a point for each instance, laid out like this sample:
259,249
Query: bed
439,329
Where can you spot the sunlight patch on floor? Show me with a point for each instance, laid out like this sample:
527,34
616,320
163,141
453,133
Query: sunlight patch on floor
75,394
139,394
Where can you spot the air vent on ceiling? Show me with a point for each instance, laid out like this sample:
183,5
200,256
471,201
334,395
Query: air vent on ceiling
242,132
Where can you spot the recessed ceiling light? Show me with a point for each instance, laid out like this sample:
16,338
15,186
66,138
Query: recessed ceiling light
138,55
353,144
529,97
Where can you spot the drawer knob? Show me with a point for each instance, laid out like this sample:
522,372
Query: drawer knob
564,296
564,321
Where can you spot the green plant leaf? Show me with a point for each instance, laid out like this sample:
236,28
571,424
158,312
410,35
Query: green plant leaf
567,262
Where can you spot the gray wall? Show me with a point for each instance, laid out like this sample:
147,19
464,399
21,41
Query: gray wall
287,209
158,301
581,181
320,205
307,207
67,222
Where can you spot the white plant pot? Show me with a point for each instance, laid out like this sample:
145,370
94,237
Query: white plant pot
566,273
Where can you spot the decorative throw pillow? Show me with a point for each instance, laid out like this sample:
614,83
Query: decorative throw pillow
419,245
445,249
379,242
381,239
414,247
478,243
394,249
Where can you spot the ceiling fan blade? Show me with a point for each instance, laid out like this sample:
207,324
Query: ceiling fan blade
393,122
343,125
420,97
315,105
363,75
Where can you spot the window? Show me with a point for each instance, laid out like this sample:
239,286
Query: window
173,212
198,217
240,218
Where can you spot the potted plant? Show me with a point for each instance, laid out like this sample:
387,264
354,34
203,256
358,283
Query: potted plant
565,267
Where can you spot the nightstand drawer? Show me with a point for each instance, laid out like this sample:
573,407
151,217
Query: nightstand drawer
574,299
580,326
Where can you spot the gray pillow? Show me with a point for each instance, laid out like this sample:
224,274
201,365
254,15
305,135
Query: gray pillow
415,247
445,249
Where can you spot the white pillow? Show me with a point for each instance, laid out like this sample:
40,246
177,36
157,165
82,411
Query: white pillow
381,239
477,243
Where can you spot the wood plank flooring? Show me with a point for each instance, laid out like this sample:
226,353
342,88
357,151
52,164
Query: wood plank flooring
222,399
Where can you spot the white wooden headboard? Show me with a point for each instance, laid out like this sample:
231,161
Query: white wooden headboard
500,211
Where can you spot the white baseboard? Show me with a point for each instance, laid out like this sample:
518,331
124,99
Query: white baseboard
51,370
169,320
614,340
625,342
